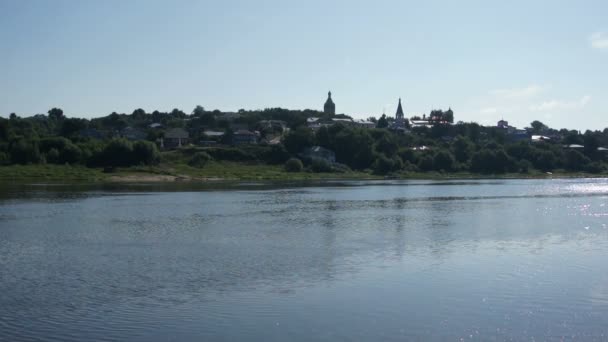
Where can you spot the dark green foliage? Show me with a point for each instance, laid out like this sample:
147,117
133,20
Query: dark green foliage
544,160
384,165
118,152
294,165
200,159
56,114
387,145
320,165
230,154
537,126
71,127
4,158
425,163
408,155
443,161
145,152
382,122
299,139
576,161
25,152
463,149
353,147
275,154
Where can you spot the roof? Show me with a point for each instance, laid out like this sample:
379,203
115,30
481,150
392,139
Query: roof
539,138
243,132
213,133
177,133
399,110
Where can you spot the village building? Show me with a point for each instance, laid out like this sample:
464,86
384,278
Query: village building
244,137
175,137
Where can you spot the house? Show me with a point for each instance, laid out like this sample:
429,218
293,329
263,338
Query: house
156,125
365,124
503,124
131,133
244,137
176,137
319,153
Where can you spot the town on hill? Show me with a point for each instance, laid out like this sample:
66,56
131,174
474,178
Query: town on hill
310,141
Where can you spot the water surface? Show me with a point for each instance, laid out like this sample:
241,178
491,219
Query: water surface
380,260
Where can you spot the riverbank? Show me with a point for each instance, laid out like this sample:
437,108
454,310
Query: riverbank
228,171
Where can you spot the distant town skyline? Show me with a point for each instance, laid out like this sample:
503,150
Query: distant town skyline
518,61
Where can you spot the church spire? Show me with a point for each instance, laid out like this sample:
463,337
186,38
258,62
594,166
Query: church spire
399,115
330,106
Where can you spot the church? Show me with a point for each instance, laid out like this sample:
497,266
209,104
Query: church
330,106
399,124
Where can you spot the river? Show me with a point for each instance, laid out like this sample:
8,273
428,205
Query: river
334,261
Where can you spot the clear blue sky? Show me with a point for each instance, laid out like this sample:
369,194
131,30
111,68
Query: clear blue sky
521,60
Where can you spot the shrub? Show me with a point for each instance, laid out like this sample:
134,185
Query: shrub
4,158
118,152
200,159
320,165
443,160
145,152
231,154
425,163
24,152
294,165
383,165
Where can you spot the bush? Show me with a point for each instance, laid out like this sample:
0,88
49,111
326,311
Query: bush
4,158
576,161
25,151
320,165
443,160
383,165
425,163
145,152
294,165
200,159
595,167
118,152
231,154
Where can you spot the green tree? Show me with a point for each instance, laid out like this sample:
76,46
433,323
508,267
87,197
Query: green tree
382,122
537,126
299,139
145,152
463,149
200,159
294,165
198,111
56,114
443,160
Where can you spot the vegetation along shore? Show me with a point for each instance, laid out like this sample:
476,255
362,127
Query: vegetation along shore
282,144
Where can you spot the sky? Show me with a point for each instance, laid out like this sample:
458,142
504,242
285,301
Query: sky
487,60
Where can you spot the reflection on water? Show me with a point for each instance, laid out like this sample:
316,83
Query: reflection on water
389,260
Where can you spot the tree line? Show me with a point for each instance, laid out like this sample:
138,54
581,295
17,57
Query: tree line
443,147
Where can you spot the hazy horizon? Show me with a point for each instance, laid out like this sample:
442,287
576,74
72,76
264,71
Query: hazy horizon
487,61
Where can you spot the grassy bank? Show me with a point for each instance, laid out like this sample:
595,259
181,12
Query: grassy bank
224,170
